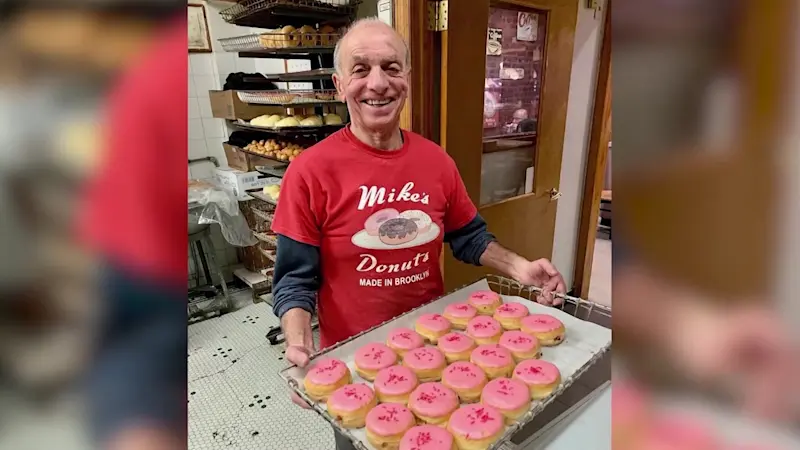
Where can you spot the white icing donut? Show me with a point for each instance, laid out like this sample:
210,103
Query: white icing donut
375,221
422,220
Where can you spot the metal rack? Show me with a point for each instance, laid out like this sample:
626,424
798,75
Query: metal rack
275,13
290,98
282,43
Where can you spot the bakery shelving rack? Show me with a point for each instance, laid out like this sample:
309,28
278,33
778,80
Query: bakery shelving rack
315,43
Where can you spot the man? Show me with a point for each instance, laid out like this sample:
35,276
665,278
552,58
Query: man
364,213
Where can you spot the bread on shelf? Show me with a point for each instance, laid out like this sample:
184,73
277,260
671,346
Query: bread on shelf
307,36
287,122
311,121
287,37
327,36
332,119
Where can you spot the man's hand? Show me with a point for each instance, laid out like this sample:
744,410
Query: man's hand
296,325
543,274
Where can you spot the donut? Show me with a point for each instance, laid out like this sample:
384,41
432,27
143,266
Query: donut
402,340
484,330
387,424
510,397
432,326
428,437
433,403
476,427
376,219
426,362
510,314
465,379
522,346
397,231
459,314
420,218
373,357
547,329
394,384
350,404
324,377
495,360
486,302
456,346
542,377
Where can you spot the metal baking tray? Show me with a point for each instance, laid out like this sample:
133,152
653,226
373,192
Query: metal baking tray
584,344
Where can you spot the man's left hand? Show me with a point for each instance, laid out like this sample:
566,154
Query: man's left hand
543,274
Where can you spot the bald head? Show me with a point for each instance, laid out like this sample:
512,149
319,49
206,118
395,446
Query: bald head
362,29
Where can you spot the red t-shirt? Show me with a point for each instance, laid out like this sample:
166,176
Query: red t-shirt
136,207
378,218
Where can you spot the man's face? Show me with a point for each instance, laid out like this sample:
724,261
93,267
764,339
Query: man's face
373,78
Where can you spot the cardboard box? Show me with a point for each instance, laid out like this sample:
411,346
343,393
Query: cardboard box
246,162
226,105
240,182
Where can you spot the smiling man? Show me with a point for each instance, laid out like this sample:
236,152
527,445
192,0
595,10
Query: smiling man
364,213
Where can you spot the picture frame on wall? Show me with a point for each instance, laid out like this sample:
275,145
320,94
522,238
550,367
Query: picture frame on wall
199,36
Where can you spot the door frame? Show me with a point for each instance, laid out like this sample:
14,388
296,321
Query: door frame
596,163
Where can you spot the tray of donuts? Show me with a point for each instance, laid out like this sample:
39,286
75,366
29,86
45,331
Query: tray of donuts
464,372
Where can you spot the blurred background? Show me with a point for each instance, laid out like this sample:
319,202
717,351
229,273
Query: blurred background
706,180
58,61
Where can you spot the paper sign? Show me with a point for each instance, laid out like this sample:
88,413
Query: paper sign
527,26
494,42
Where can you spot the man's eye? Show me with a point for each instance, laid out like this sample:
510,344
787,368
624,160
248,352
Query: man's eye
359,70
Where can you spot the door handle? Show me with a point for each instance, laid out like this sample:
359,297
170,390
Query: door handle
555,194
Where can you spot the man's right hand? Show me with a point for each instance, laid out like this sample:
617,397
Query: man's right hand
296,325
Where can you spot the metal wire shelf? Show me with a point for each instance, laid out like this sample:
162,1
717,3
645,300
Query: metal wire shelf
289,98
282,43
275,13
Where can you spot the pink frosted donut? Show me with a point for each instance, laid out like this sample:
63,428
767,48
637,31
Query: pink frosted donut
510,314
387,423
476,426
426,362
459,314
373,357
433,402
393,384
432,326
466,379
402,340
486,302
422,220
522,346
495,360
350,404
455,343
549,330
427,437
484,330
327,371
542,377
375,221
510,397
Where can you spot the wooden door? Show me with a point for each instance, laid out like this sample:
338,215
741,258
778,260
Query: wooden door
492,146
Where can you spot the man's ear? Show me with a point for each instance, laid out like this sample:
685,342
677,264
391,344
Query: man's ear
337,81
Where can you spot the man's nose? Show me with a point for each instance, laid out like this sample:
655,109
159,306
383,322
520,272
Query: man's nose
377,80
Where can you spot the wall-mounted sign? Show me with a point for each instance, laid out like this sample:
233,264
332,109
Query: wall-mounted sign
385,12
494,42
527,26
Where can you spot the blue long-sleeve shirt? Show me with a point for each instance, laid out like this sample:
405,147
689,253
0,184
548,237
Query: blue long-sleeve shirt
297,265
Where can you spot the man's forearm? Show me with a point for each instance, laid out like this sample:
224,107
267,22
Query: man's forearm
296,326
501,259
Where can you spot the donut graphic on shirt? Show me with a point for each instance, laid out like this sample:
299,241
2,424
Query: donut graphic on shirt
390,229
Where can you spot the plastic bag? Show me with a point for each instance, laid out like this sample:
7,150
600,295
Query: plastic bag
211,204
